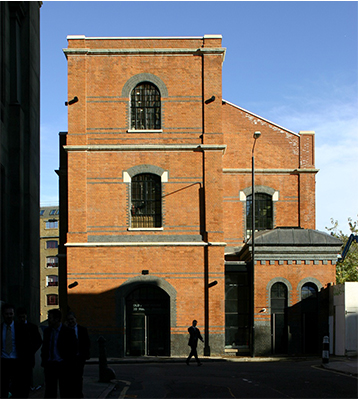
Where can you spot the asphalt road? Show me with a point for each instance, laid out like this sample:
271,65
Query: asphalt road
287,379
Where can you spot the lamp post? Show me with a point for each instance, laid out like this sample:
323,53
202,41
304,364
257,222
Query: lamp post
256,136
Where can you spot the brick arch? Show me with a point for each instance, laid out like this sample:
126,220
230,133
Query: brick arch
259,189
144,77
133,283
145,168
305,281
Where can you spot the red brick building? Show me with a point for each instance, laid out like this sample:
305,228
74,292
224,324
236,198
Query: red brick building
155,178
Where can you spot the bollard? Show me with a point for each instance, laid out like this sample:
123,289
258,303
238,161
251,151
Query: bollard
106,374
325,350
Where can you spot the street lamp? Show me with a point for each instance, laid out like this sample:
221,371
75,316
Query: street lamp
256,136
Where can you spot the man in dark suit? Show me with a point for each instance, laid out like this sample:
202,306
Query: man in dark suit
193,342
58,354
83,354
16,352
34,343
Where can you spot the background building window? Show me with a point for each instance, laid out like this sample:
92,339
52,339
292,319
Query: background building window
52,224
263,213
145,107
146,204
52,299
51,244
52,261
52,281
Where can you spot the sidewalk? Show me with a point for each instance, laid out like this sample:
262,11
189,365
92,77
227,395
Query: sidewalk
345,365
94,389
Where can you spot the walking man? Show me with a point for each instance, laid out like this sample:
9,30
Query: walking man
193,342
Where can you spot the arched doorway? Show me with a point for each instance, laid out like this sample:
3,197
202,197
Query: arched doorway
148,322
279,318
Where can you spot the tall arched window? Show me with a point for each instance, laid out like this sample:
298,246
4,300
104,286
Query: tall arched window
279,300
309,309
263,212
145,107
146,201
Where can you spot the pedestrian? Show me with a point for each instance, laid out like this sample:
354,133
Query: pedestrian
58,354
193,342
13,355
83,354
34,342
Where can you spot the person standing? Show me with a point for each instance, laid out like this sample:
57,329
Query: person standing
34,342
193,342
83,354
58,354
13,355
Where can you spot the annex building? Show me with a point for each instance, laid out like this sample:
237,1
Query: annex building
156,200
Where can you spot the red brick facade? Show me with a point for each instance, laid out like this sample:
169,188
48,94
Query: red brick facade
202,156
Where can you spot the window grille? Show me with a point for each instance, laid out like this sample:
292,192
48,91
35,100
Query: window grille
146,204
263,213
145,107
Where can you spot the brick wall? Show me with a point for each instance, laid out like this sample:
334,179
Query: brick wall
202,153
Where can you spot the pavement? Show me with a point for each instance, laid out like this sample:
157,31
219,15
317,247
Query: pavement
93,388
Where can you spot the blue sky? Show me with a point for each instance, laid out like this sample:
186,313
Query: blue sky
293,63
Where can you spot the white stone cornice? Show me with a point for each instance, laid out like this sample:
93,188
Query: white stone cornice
144,51
83,37
147,147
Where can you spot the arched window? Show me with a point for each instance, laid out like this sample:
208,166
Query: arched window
146,201
145,107
263,213
279,300
309,309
